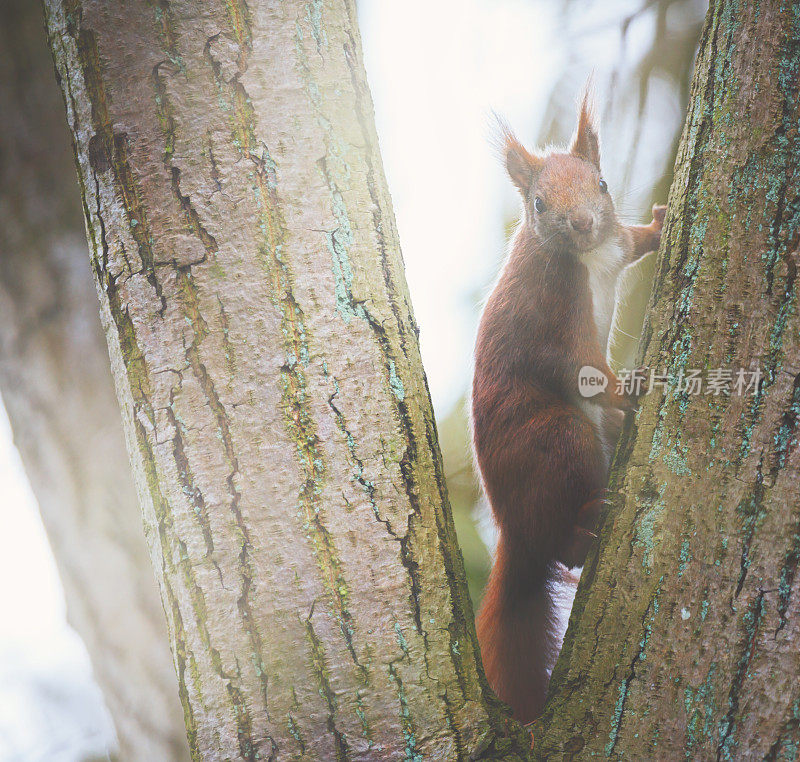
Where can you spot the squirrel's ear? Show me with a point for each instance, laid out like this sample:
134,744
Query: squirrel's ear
521,165
586,142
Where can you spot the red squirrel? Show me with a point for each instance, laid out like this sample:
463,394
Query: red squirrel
542,449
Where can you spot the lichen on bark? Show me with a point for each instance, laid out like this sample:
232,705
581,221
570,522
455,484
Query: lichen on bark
267,364
58,392
682,642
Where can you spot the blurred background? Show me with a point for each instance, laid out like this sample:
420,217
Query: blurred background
437,70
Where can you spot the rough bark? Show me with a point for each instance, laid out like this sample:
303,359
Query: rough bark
59,395
683,639
266,360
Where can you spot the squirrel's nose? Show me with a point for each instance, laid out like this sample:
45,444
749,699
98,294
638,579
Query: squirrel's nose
581,220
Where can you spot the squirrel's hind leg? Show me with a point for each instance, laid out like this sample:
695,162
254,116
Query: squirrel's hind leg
583,533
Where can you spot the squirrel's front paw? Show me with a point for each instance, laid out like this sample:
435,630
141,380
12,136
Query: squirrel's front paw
633,386
659,212
640,381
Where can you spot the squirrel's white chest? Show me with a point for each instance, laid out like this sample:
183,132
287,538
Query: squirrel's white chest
604,265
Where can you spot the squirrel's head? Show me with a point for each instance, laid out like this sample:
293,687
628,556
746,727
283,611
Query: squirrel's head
566,199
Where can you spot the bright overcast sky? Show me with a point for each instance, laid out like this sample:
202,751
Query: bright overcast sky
437,69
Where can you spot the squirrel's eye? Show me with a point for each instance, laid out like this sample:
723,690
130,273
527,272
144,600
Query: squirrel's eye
603,186
538,205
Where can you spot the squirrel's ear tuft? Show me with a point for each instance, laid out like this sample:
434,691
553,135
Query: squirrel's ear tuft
521,165
586,142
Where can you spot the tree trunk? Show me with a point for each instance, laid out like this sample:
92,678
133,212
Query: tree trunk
266,360
58,392
683,639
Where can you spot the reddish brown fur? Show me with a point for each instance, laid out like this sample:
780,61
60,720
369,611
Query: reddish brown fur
539,455
644,238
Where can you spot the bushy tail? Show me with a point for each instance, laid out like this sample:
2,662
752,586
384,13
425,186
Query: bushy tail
517,629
